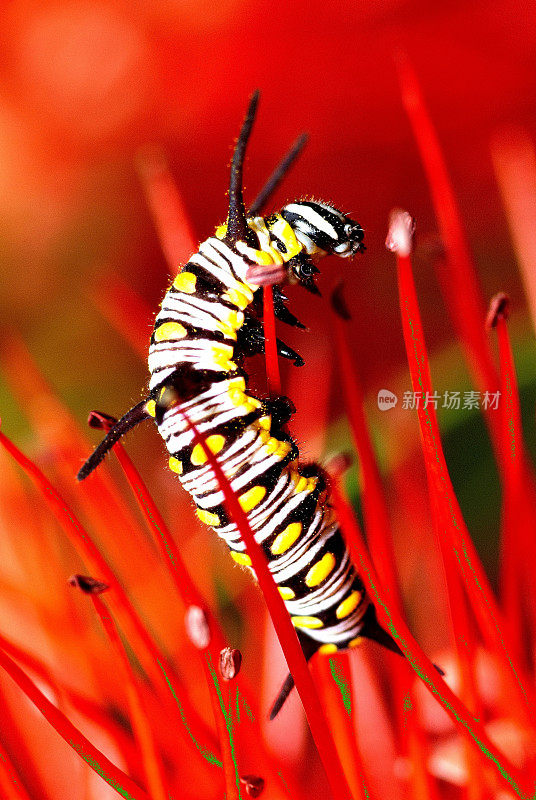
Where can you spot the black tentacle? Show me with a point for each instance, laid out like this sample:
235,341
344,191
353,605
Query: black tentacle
277,175
136,415
237,227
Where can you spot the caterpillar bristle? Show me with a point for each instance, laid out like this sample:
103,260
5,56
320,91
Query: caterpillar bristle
128,421
284,692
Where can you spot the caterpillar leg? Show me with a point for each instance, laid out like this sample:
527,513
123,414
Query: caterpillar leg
371,629
136,415
251,340
309,648
281,410
281,311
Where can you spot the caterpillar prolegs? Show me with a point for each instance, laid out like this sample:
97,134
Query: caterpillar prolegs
207,326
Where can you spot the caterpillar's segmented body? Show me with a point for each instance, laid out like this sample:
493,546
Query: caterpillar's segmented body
198,327
208,323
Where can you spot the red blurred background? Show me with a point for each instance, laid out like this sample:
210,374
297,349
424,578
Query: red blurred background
84,85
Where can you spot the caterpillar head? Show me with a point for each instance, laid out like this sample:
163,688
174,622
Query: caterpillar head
323,230
306,229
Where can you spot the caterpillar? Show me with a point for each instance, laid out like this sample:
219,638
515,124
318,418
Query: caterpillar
207,325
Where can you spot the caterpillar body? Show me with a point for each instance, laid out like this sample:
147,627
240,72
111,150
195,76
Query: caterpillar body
205,328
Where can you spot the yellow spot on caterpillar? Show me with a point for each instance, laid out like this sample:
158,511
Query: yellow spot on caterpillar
235,319
208,517
348,605
356,642
280,228
307,622
249,403
266,422
261,257
286,538
150,407
252,497
320,570
185,282
221,354
169,331
221,230
230,323
175,465
237,397
286,592
271,445
239,295
215,443
328,648
237,383
241,558
226,329
283,450
301,484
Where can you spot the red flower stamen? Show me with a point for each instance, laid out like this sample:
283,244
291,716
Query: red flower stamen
379,537
153,659
167,208
141,724
517,543
219,698
341,721
420,663
458,278
117,779
270,343
458,551
11,785
374,507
